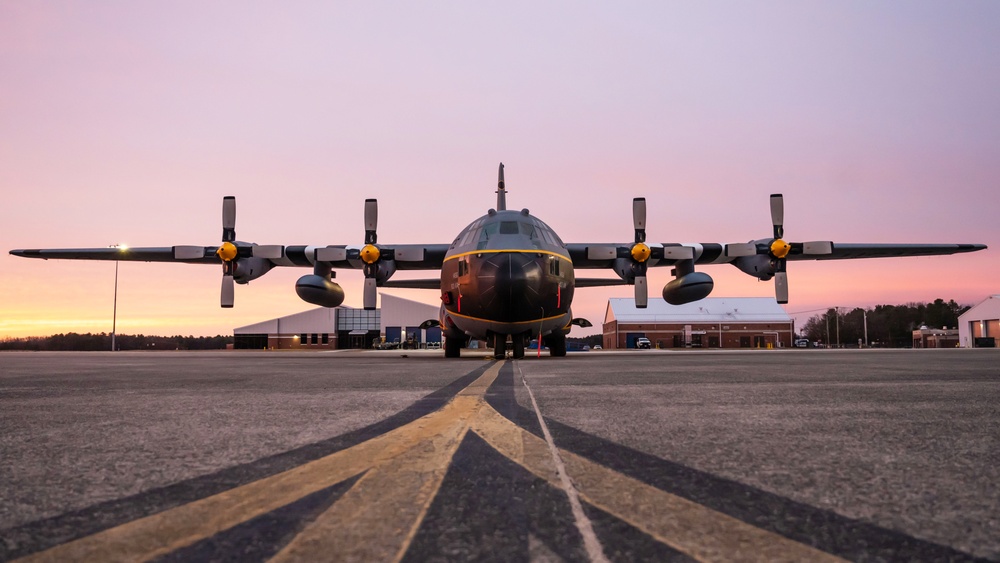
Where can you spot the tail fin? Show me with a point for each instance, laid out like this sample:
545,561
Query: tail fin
501,192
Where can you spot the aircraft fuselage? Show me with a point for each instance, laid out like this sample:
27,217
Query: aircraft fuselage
507,273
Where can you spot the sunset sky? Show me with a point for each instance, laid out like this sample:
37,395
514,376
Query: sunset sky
127,122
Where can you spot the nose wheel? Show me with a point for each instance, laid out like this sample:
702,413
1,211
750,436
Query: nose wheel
499,346
516,346
518,343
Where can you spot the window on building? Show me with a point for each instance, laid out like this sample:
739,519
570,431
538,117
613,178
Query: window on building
358,319
314,339
326,338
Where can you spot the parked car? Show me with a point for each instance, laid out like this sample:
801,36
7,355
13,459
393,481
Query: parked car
643,342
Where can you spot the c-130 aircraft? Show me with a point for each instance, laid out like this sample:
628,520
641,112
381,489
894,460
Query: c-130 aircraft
507,274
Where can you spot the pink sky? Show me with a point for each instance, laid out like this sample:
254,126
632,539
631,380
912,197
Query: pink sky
128,122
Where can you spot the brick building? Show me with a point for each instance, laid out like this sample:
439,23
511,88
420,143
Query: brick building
724,322
935,338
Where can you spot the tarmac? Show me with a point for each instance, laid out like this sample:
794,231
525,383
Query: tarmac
800,455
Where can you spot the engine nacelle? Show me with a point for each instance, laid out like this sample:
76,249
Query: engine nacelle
319,290
760,266
688,288
247,269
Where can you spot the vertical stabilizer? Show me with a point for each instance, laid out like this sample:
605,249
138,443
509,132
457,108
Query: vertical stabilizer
501,192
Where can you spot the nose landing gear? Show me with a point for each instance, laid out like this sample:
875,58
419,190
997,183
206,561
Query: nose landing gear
517,344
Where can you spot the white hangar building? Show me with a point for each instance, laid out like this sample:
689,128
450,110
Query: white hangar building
979,327
720,322
397,319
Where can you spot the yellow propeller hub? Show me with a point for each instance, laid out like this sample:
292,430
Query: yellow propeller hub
370,254
780,248
227,251
640,252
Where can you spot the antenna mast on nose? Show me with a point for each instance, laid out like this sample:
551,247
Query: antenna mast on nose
501,192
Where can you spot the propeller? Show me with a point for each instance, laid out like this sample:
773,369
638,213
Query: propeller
640,252
228,251
777,249
370,253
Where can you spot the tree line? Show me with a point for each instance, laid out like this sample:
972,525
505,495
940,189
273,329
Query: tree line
889,326
88,342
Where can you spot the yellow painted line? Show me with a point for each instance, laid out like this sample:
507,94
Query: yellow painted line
162,533
377,519
505,322
509,250
693,529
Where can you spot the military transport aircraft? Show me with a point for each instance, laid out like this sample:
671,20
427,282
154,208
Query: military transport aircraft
507,274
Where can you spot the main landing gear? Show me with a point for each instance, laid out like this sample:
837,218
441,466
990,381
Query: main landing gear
453,347
557,344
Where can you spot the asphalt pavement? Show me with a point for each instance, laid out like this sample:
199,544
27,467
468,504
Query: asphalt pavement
641,455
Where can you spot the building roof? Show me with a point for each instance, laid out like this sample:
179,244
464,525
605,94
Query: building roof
712,309
989,309
394,311
320,319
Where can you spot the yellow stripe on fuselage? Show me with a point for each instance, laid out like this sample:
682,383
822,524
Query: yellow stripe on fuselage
511,250
505,322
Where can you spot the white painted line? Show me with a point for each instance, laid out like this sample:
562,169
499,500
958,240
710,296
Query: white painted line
590,541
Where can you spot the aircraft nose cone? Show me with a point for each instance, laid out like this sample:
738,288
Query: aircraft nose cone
515,292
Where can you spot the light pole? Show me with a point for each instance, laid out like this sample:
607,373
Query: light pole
838,327
114,310
865,313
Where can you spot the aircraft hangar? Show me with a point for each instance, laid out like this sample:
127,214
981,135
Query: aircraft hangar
979,327
723,322
342,327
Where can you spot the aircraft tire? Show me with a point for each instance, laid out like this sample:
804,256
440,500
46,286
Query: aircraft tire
452,347
518,352
499,346
557,345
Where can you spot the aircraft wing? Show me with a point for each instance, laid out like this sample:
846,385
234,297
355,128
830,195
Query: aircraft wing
850,251
405,256
764,259
147,254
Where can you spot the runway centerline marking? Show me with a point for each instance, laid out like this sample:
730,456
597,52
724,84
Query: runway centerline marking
401,473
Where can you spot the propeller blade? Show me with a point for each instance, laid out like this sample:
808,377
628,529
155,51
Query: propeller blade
371,221
778,214
817,247
371,293
781,287
677,252
600,252
189,252
409,253
229,218
331,254
639,218
641,292
269,251
228,291
741,249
